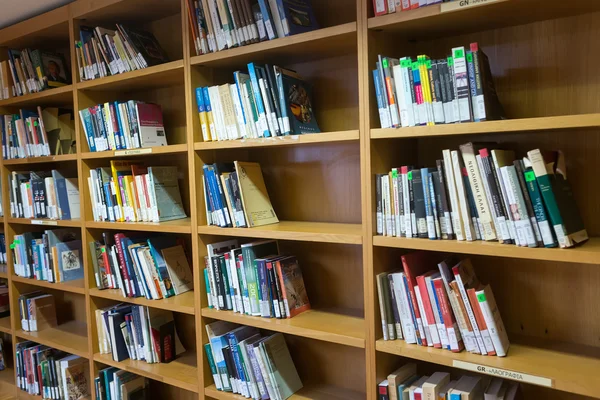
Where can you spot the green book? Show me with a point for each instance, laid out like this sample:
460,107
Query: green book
226,282
212,366
250,252
285,378
539,210
208,293
551,176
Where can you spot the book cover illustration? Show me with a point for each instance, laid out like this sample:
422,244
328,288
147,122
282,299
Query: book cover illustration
70,261
300,16
296,297
77,387
56,73
298,99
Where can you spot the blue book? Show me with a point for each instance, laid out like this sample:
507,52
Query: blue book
412,311
218,343
298,103
142,278
437,307
260,107
200,99
86,117
431,194
121,144
406,384
156,245
284,112
298,15
62,196
209,173
264,298
70,263
240,78
267,19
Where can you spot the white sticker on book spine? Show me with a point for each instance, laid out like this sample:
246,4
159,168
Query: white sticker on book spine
503,373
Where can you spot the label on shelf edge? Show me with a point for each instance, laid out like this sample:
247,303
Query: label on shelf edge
462,4
503,373
43,222
133,152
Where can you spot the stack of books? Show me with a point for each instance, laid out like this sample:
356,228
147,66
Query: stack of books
405,382
459,88
440,303
138,333
102,52
31,71
119,126
38,311
50,373
114,383
253,279
265,102
153,268
131,192
245,362
235,195
219,24
44,132
52,256
43,194
483,193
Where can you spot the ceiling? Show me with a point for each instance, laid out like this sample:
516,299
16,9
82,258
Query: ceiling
14,11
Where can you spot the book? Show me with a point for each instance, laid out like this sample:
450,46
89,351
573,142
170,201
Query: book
293,289
165,184
258,210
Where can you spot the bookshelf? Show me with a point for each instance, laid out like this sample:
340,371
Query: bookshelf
323,190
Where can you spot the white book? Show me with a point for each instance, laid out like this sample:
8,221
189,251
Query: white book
470,313
429,332
504,189
457,222
276,18
391,6
263,370
215,102
493,320
523,228
437,314
396,200
408,326
467,222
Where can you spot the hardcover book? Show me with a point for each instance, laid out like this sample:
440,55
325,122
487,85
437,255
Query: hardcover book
294,293
150,125
178,268
299,105
70,260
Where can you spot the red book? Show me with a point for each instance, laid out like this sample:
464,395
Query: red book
109,272
414,264
414,4
380,7
422,284
128,281
456,343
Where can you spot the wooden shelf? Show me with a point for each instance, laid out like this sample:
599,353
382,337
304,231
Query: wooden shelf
61,96
77,286
70,337
569,372
326,42
295,230
449,19
475,128
182,372
75,223
177,226
293,140
5,325
314,324
170,149
588,253
184,303
163,75
4,275
40,160
8,389
310,392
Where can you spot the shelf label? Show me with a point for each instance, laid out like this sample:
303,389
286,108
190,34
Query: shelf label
503,373
132,152
43,222
462,4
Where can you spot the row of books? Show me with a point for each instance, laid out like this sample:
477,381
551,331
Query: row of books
31,71
245,362
223,24
383,7
437,302
37,311
235,195
53,255
406,382
128,125
253,279
459,88
483,193
39,133
51,373
131,192
138,333
153,268
102,52
265,102
43,194
115,384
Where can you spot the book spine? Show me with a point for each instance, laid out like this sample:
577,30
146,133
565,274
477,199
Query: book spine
429,208
469,310
462,84
483,328
519,169
539,209
395,308
390,88
523,227
493,320
406,319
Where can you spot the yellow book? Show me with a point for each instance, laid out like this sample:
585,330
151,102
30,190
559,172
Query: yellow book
109,125
255,198
120,168
131,209
425,85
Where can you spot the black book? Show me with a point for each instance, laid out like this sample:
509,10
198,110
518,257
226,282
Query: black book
219,287
411,196
520,169
219,168
116,317
497,201
443,220
269,99
225,282
167,342
230,364
419,202
379,215
237,198
273,90
491,108
442,192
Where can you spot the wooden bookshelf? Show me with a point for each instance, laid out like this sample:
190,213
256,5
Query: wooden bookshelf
322,187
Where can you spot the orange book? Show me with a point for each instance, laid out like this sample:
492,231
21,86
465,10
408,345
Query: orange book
293,290
487,339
